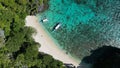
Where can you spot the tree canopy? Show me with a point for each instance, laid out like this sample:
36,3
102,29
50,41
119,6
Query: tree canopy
20,50
103,57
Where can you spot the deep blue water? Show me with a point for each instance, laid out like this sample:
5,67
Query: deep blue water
86,24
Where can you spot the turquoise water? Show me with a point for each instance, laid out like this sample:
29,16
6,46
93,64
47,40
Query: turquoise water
86,24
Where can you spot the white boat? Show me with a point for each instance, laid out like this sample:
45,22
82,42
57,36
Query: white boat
44,20
57,26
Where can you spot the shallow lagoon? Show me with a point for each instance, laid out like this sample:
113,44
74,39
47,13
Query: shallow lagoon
86,25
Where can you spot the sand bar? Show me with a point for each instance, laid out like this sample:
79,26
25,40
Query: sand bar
47,44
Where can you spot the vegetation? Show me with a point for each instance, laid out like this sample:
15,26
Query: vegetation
103,57
2,41
20,50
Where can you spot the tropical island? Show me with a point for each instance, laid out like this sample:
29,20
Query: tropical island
26,39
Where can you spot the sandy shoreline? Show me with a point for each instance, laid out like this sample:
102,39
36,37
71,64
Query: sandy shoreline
47,44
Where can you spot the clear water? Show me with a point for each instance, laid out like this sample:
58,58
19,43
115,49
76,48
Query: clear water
86,25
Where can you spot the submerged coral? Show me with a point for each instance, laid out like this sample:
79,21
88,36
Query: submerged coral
86,25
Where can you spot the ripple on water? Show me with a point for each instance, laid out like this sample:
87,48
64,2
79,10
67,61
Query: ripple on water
85,25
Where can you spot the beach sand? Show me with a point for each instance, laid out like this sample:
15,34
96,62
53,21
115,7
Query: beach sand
47,44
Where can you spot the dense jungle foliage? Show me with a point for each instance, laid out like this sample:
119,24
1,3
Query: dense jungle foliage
17,47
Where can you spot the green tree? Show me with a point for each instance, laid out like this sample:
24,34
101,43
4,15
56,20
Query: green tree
14,43
20,50
2,41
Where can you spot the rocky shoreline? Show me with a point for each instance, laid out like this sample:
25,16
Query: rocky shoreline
38,7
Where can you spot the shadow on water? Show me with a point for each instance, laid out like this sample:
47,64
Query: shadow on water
103,57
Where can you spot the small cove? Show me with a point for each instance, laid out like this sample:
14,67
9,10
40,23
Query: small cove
86,25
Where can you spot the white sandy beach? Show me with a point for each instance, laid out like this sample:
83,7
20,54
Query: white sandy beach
47,44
